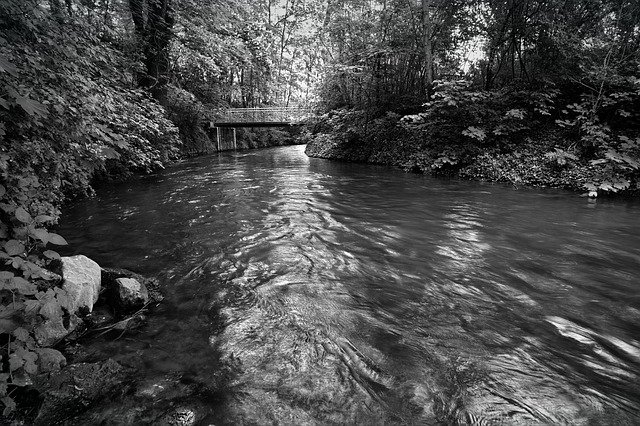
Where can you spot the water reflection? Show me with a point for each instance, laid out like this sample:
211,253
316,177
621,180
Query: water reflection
314,292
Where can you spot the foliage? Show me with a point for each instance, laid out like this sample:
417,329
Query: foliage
190,116
69,111
494,78
29,294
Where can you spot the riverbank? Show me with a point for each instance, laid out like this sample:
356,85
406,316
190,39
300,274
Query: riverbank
535,154
527,167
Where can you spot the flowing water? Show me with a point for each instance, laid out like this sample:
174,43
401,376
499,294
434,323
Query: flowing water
304,291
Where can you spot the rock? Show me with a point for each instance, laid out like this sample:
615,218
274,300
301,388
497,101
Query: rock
110,275
50,360
100,317
130,294
82,281
76,388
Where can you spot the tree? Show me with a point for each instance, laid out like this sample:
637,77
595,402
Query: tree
154,32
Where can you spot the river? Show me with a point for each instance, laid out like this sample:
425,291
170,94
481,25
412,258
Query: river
304,291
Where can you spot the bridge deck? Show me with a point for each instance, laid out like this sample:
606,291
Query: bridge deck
261,117
254,124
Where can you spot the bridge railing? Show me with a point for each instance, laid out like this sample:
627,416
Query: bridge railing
290,115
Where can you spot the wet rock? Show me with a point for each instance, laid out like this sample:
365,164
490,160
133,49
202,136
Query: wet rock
110,275
76,388
130,294
50,360
82,281
100,317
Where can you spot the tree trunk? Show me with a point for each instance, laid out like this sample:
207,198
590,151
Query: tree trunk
154,33
428,45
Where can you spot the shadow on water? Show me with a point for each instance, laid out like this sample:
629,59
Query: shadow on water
302,291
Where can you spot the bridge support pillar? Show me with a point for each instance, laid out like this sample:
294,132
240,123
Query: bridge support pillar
218,136
235,143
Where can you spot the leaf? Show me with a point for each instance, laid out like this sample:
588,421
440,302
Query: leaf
14,247
17,262
3,191
6,275
607,186
7,311
31,306
21,334
30,366
15,362
43,218
57,239
9,405
23,286
515,113
40,233
8,67
7,325
51,309
23,216
50,254
475,133
7,208
32,107
108,153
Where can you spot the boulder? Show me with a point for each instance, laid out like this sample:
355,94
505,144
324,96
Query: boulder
82,281
130,294
50,360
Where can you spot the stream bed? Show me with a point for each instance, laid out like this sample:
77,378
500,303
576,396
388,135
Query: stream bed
304,291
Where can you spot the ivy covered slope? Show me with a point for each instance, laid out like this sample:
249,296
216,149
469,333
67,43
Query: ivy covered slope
69,111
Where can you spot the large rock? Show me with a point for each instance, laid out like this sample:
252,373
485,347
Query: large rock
130,294
82,281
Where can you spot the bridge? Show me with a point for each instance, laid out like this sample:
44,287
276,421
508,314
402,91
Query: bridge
255,117
261,117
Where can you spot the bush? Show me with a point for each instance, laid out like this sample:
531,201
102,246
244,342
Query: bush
190,116
69,111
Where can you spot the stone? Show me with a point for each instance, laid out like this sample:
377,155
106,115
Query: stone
50,360
82,282
110,275
130,294
100,317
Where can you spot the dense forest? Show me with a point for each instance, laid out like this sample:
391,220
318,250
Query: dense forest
532,92
527,92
